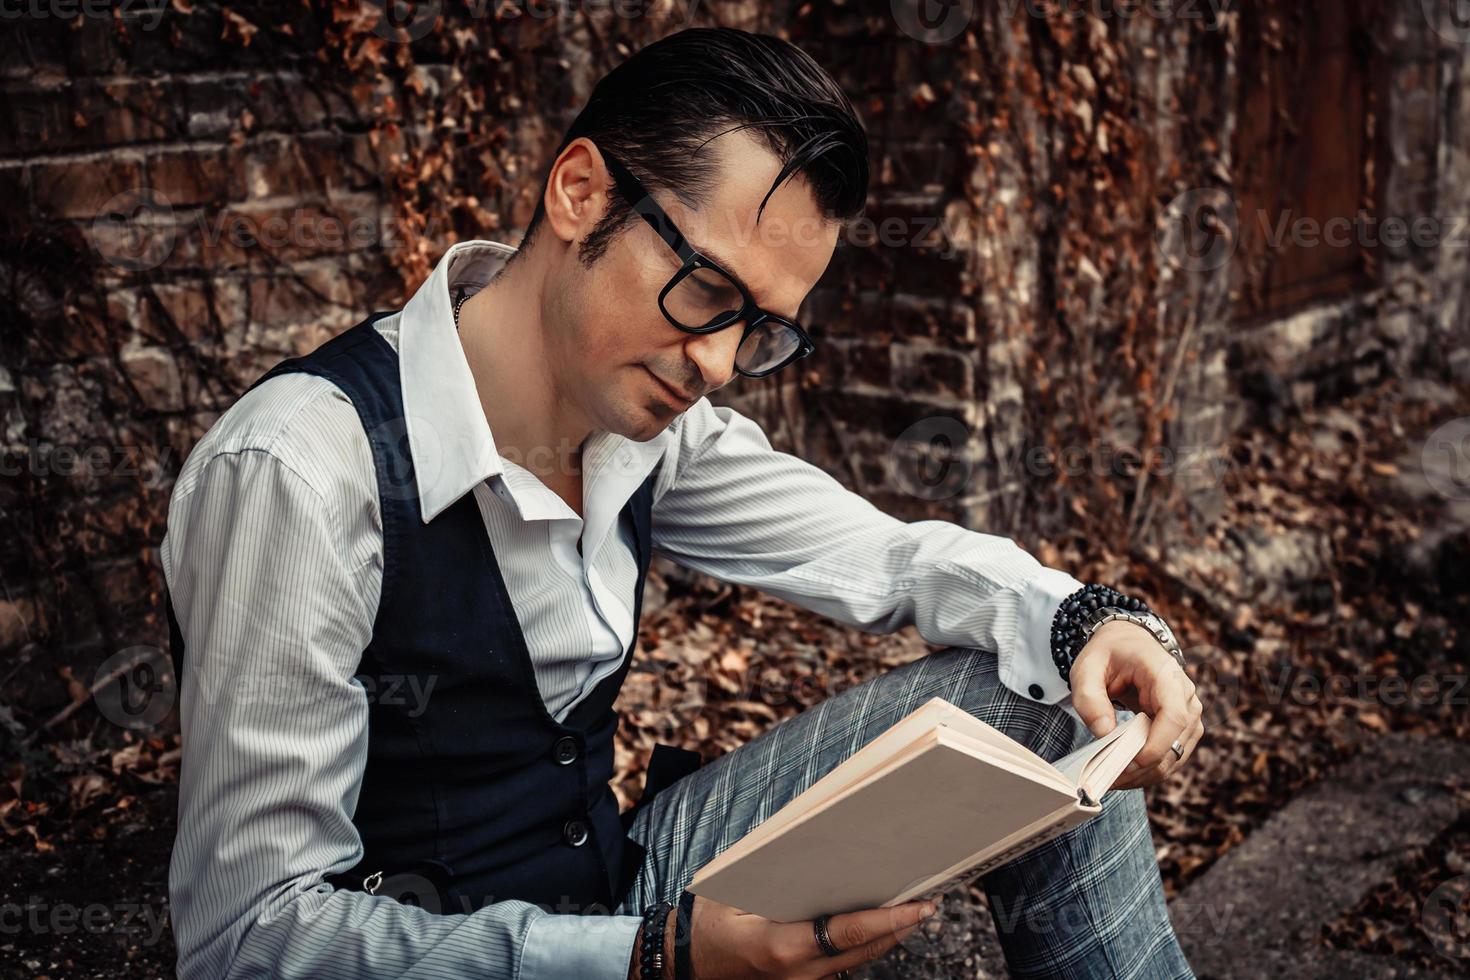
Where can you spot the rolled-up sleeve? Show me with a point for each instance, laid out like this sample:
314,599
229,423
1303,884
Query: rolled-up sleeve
274,747
726,503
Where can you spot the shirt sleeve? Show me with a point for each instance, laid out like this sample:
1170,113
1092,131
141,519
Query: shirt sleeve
729,505
274,746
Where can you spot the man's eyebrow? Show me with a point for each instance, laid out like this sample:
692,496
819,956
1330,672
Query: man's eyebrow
724,263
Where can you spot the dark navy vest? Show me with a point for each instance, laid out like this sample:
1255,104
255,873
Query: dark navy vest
478,791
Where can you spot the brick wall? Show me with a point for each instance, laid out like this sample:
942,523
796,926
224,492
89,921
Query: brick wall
188,200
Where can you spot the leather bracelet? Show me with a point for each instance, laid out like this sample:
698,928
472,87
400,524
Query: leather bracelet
651,950
684,938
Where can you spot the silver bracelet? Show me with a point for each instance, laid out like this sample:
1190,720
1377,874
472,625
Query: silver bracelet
1150,621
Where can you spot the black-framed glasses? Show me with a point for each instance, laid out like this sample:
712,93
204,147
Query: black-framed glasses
702,297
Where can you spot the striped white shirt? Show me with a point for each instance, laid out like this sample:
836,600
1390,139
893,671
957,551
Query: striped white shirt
273,559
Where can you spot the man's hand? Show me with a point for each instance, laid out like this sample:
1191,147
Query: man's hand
727,942
1123,661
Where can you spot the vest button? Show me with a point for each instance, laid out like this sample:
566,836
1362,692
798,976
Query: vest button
574,833
566,750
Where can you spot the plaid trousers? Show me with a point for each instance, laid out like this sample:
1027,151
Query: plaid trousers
1088,904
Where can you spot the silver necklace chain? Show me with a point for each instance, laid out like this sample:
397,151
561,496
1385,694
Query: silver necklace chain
457,304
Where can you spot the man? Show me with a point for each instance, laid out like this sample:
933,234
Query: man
405,574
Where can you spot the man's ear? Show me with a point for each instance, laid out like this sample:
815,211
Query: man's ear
575,197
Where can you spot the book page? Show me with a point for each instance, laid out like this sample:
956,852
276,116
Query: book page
878,753
1028,838
1083,767
965,722
903,827
791,814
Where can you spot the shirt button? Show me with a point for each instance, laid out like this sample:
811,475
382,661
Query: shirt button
1036,691
566,751
574,833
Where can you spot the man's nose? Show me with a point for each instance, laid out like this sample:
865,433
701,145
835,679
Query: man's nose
714,354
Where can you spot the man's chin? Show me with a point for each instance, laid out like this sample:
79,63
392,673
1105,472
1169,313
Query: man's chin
640,421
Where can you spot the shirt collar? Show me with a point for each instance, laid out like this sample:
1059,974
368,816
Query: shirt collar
449,438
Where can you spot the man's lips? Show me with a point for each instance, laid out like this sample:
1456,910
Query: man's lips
674,393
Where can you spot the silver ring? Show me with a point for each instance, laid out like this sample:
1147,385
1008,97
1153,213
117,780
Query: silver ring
1178,749
819,926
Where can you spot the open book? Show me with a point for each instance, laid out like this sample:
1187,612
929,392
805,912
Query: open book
934,802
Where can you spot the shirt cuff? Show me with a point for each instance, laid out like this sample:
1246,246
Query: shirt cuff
589,947
1030,671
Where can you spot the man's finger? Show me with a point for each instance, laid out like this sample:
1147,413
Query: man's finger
852,932
1171,723
1196,732
1090,692
852,929
851,959
1135,776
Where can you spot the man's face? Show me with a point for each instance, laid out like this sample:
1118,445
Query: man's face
616,350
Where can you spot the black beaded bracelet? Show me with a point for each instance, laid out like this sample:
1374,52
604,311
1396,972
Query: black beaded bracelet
1069,632
651,950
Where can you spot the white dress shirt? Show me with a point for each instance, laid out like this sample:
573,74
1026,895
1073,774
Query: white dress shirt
273,559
